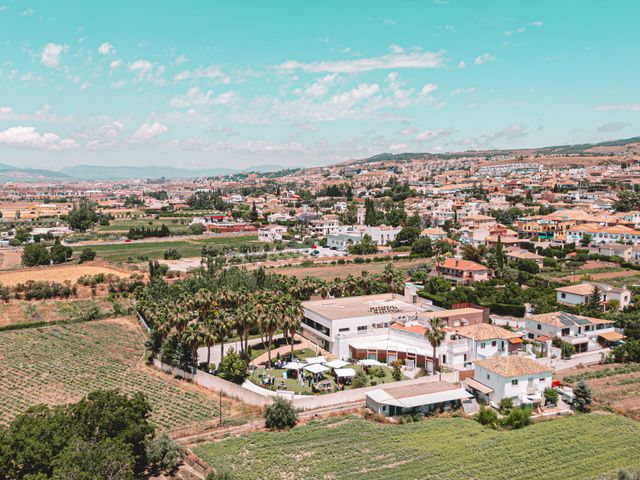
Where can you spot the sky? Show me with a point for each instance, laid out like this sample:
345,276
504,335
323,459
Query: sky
233,84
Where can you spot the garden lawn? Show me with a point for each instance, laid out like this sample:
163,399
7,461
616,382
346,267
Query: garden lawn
60,364
576,447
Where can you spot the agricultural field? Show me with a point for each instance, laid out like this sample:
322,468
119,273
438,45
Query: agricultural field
58,273
154,250
176,225
615,387
329,272
576,447
22,312
60,364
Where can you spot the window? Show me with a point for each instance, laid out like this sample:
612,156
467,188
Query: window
344,329
488,376
539,327
563,295
482,345
494,343
541,379
362,328
514,382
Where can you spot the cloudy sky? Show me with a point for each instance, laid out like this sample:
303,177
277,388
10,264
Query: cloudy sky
234,84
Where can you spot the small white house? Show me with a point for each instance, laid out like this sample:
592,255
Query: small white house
579,294
479,341
271,233
516,376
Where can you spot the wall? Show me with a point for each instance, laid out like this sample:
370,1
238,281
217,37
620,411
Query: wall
216,384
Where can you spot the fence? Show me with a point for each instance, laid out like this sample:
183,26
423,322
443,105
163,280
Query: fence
216,384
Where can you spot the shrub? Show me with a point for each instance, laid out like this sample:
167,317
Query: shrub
172,254
505,405
582,397
517,418
87,255
397,372
551,396
360,380
164,454
280,415
232,367
35,254
567,350
219,475
487,416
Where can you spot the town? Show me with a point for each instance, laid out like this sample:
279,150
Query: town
401,288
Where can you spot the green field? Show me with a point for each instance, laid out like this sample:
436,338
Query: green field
61,364
577,447
123,226
121,252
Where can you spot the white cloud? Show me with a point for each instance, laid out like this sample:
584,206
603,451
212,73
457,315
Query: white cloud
537,23
462,64
384,62
200,72
118,84
428,88
250,146
106,49
197,98
485,57
513,131
398,147
115,64
140,67
28,12
51,52
407,131
309,126
179,60
319,87
396,48
632,107
28,137
148,131
430,135
462,91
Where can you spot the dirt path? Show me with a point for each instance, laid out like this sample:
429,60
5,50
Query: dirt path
10,258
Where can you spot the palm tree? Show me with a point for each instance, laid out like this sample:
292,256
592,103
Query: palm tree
191,337
323,289
435,335
221,324
294,315
244,319
208,338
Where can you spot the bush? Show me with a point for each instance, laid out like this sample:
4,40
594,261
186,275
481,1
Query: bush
280,415
164,454
219,475
35,254
360,380
567,350
517,418
87,255
172,254
397,372
551,396
505,405
232,367
487,416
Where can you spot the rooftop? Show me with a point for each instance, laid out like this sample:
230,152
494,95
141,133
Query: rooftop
363,306
563,320
485,331
512,366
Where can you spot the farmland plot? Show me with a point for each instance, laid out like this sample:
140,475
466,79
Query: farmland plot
60,364
577,447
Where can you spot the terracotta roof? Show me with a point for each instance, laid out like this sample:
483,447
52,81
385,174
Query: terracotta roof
456,264
485,331
419,329
512,366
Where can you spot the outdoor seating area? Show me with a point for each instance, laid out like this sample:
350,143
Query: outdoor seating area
309,374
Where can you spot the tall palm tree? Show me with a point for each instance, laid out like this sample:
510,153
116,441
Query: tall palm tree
435,334
208,338
222,323
191,337
323,289
294,314
244,320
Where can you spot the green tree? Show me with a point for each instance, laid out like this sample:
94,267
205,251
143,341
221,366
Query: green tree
59,253
517,418
280,415
35,254
551,396
586,240
164,454
370,215
582,397
232,367
108,459
435,334
87,255
83,216
487,416
360,380
406,237
422,247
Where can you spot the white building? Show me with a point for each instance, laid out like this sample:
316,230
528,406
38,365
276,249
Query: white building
477,342
579,294
271,233
515,376
383,235
581,332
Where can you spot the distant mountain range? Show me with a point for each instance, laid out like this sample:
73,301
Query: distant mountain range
602,148
10,173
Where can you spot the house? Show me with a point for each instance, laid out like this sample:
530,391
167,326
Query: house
518,254
583,333
324,226
603,234
271,233
517,377
579,294
479,341
613,250
383,235
434,234
423,398
461,272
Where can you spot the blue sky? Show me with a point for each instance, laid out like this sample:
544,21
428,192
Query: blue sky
235,84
